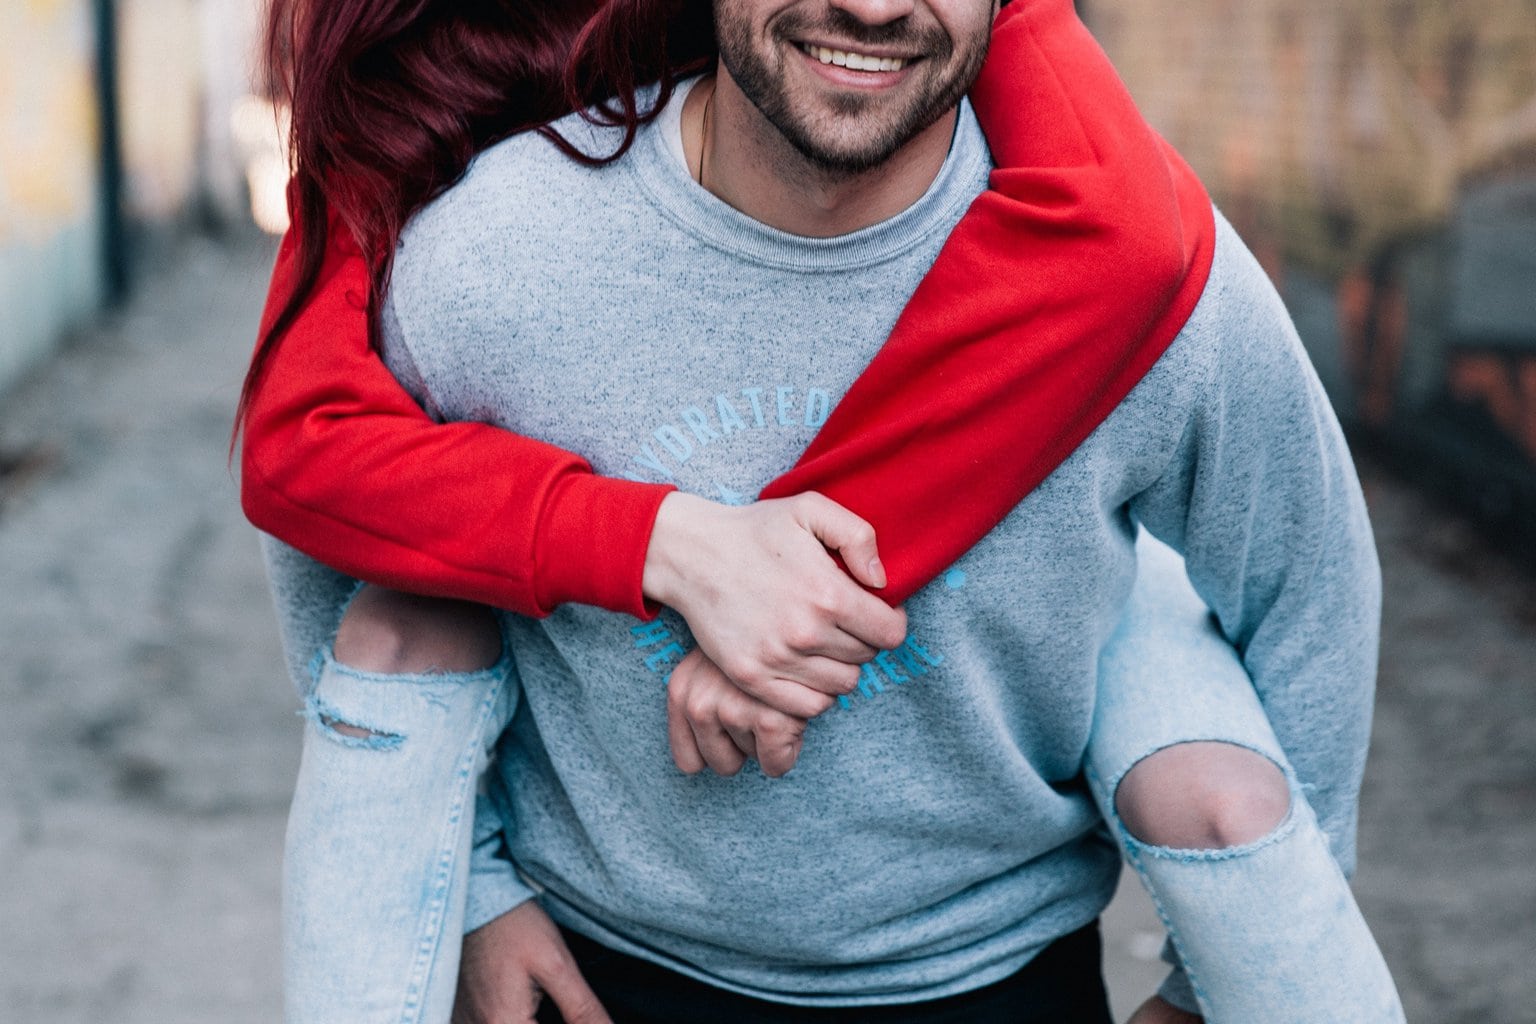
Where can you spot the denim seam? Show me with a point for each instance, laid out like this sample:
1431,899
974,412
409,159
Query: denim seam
434,916
1135,848
1133,855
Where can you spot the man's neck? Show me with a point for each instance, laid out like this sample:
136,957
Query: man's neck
744,160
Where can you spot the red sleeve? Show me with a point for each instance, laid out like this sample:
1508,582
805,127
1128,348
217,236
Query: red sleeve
1054,295
337,460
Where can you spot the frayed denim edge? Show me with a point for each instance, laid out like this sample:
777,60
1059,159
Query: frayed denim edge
323,716
1134,849
327,655
1286,826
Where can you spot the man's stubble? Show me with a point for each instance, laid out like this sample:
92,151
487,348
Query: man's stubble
858,131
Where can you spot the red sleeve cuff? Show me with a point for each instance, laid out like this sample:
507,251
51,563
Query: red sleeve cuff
592,543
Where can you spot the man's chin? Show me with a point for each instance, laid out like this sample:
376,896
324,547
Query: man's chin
851,134
847,163
842,155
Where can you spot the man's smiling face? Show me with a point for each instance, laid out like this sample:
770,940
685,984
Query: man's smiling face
848,82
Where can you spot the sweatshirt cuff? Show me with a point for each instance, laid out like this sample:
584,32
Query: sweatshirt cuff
1177,990
592,542
494,886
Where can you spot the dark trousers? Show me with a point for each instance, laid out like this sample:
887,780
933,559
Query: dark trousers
1063,985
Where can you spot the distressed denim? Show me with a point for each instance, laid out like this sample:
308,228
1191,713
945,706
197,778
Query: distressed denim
1267,933
378,845
380,834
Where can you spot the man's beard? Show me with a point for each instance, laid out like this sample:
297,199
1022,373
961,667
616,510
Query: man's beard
880,128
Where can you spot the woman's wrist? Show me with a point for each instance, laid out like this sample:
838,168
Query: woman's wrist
675,535
591,541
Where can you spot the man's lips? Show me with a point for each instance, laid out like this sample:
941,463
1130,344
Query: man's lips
854,60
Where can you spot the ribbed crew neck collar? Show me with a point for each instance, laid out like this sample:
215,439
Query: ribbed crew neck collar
665,179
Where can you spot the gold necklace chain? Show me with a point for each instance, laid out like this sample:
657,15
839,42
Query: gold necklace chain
704,135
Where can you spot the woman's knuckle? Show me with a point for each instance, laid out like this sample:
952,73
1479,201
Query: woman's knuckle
827,596
801,635
747,666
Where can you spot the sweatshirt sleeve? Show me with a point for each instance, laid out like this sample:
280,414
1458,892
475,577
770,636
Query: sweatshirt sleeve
1262,499
494,886
1060,287
338,461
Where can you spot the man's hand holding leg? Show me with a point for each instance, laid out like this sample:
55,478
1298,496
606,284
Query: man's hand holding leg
514,962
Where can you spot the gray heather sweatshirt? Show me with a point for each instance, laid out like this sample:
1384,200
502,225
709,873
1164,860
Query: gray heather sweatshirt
937,832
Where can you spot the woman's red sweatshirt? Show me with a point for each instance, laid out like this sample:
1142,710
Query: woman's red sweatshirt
1056,292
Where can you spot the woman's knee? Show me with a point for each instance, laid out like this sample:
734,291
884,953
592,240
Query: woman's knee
392,632
1203,796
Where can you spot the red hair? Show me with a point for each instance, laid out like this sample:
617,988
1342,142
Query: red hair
391,99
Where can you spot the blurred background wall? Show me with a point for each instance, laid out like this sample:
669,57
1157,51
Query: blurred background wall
118,131
1380,156
50,213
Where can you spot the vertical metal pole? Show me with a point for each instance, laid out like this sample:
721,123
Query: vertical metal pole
113,231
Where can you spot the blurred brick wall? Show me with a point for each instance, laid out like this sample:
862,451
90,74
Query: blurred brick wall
1380,158
1331,127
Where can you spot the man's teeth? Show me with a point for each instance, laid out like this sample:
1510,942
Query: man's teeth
856,61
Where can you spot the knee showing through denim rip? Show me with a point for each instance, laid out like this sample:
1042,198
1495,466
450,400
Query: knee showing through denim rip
391,632
1203,796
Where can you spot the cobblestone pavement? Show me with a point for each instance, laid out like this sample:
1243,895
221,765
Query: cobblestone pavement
148,741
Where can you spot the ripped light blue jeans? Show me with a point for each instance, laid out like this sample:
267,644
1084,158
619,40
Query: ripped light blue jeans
1268,932
376,861
378,849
